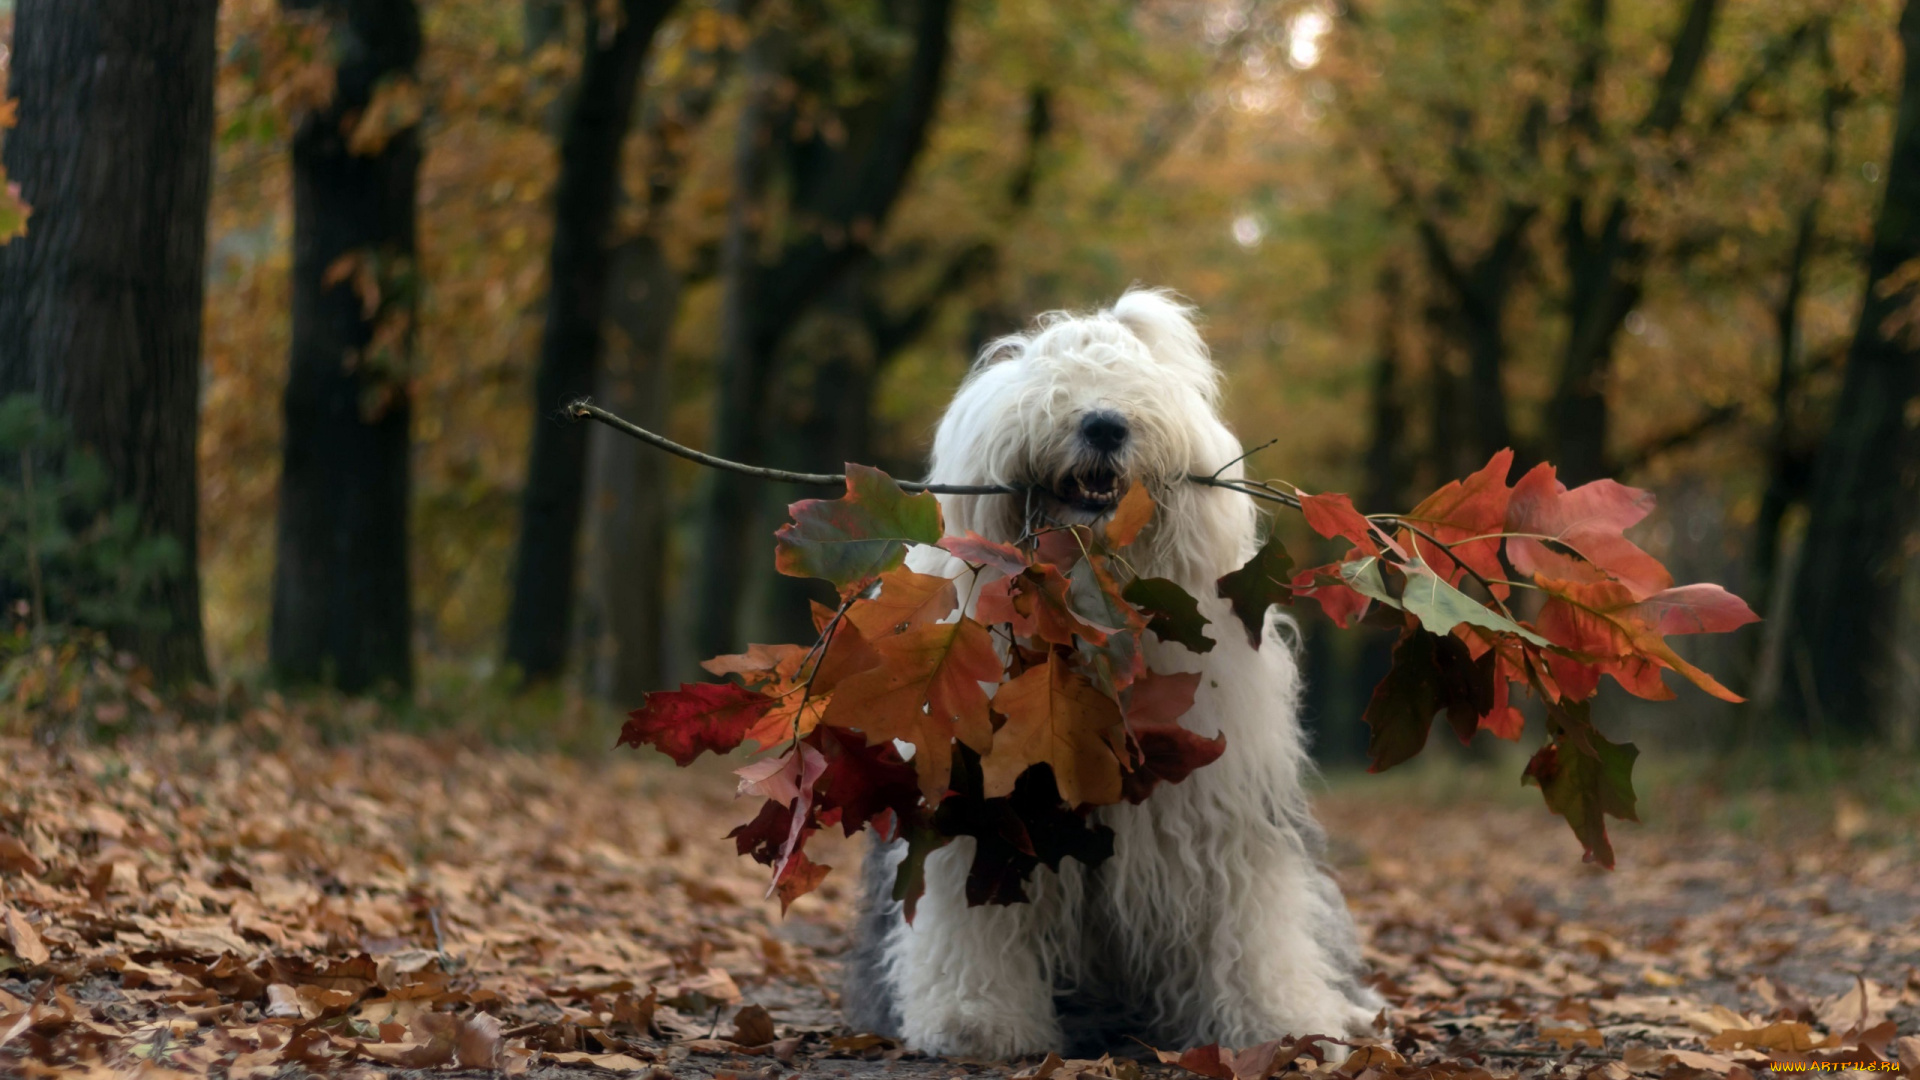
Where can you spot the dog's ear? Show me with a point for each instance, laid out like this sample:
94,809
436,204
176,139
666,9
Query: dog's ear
1164,323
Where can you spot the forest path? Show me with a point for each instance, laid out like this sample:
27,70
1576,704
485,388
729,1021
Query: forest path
248,902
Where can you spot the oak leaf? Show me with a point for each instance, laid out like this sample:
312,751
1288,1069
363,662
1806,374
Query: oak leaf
1265,580
1468,516
698,716
1054,716
1614,632
854,539
906,599
1172,612
1584,788
1585,528
1132,515
1431,673
927,692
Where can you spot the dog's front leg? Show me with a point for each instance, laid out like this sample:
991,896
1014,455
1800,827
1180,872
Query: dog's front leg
978,982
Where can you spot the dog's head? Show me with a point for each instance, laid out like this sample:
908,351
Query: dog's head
1079,409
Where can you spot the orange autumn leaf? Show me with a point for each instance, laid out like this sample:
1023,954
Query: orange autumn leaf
1056,717
925,692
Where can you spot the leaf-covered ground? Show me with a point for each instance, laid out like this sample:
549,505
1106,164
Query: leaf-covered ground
247,901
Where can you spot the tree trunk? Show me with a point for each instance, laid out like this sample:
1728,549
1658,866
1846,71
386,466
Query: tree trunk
1842,647
341,614
100,302
624,612
727,510
1789,463
1606,268
844,188
585,202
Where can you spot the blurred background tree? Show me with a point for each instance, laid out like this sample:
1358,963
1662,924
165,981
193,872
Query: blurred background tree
1664,240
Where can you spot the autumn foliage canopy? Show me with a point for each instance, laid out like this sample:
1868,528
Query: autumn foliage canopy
1021,689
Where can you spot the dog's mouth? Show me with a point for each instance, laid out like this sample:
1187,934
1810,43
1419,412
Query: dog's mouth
1093,491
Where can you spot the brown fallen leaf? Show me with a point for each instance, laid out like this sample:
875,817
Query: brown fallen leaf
1205,1061
1566,1038
1907,1049
634,1012
1642,1059
1367,1057
22,938
1043,1071
623,1063
1255,1062
14,856
753,1026
1785,1035
718,1046
858,1044
477,1043
283,1002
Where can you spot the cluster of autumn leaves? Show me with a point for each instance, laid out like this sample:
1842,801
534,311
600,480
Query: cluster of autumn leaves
1020,691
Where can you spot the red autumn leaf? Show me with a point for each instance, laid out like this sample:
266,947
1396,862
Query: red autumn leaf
1200,1060
1590,520
864,782
1063,546
906,599
1035,603
698,716
764,836
1503,721
926,691
799,877
1339,600
1167,753
977,550
1332,515
1605,621
788,779
1460,511
851,540
1163,749
1696,609
1056,717
1157,698
1132,515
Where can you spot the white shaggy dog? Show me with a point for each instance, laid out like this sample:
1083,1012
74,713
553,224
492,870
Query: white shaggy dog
1213,920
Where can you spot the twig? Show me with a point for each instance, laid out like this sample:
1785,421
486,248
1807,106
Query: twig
1244,455
585,410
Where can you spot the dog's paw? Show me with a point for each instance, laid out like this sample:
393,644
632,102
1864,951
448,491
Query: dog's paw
972,1028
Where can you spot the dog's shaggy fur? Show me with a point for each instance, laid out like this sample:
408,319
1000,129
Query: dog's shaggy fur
1213,920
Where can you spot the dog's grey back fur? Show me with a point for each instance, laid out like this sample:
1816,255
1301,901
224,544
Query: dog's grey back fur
866,998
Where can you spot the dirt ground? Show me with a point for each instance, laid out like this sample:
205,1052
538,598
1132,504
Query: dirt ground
249,902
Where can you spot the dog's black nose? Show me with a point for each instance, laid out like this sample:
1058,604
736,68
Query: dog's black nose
1104,431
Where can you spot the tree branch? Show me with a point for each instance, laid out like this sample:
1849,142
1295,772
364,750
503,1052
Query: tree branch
585,410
